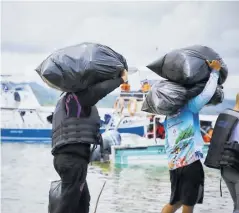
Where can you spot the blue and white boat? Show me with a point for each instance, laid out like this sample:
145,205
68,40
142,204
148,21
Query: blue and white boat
23,119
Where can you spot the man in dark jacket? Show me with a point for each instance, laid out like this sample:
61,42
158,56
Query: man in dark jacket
223,152
75,126
229,174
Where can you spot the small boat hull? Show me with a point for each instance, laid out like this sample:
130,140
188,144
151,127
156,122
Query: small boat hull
21,135
142,155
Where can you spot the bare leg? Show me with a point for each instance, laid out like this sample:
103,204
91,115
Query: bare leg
187,209
171,208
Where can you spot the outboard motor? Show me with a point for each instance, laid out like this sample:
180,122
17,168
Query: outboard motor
110,138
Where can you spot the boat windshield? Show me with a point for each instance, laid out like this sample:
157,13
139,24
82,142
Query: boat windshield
107,102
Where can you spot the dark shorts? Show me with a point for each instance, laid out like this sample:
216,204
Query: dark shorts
187,184
75,196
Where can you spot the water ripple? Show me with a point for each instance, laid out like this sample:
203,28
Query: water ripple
27,171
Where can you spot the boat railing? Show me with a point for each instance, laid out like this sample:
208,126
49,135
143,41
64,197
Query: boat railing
139,96
123,111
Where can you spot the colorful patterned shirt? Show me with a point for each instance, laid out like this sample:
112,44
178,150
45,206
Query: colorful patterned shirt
184,141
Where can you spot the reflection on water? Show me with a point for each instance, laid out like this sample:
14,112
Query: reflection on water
27,171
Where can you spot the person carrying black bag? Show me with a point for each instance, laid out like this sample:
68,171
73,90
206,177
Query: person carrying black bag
75,126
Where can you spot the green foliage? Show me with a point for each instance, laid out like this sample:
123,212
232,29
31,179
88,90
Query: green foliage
187,133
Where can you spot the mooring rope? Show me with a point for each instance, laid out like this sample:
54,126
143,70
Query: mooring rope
99,196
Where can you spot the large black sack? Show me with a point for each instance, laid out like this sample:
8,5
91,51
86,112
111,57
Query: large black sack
188,65
218,96
74,68
54,195
193,91
166,97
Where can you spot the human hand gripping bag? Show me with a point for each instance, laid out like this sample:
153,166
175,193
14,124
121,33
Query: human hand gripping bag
77,67
187,66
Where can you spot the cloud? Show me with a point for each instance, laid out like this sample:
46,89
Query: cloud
141,31
21,47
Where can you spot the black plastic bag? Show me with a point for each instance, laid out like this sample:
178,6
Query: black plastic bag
54,195
218,96
165,98
76,67
188,65
195,90
110,138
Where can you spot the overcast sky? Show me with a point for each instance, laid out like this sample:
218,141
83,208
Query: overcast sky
141,31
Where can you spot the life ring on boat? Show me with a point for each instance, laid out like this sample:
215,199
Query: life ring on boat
132,106
207,137
119,105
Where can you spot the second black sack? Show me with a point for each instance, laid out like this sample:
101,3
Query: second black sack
188,65
165,98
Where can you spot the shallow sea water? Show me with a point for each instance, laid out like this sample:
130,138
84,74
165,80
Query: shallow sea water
27,171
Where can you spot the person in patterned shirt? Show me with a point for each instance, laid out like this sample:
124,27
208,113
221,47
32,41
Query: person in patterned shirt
184,145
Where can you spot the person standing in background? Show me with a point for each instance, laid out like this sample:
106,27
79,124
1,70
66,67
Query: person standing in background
231,175
223,152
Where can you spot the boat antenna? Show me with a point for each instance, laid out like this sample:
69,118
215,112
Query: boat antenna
99,196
